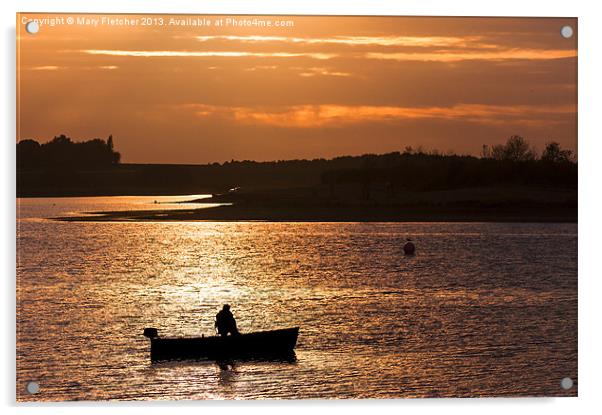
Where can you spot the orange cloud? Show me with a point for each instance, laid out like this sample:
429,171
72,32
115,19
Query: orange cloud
46,68
453,48
314,71
312,116
204,54
407,41
452,56
56,67
449,55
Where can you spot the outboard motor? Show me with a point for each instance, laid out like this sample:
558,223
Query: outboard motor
151,332
409,248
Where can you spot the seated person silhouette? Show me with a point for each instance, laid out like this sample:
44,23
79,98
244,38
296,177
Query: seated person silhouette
225,322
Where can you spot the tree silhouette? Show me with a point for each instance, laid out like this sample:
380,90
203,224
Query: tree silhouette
28,154
553,153
62,153
515,149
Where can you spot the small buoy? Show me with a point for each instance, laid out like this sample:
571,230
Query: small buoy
409,248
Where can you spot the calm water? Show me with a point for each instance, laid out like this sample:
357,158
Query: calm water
483,309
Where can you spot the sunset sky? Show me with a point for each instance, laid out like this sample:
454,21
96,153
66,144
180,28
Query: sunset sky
325,87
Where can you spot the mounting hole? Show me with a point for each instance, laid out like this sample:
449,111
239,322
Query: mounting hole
33,387
566,32
566,383
32,27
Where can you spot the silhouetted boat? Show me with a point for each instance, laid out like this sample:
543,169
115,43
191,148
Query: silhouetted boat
263,344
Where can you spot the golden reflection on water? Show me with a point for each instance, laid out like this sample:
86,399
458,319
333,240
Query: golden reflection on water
463,322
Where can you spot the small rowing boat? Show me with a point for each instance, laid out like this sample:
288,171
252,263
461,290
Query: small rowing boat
262,344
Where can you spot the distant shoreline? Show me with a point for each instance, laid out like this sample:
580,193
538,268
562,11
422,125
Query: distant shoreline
235,213
130,193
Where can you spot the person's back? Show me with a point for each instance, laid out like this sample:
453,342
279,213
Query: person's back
225,322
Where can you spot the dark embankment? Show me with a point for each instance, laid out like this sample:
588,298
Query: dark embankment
501,204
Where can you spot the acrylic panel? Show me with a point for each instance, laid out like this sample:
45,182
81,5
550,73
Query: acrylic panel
295,207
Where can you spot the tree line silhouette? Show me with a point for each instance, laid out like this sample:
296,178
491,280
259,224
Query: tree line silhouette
63,153
512,163
64,167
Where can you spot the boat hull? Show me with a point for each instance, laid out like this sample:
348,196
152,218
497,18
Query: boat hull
265,344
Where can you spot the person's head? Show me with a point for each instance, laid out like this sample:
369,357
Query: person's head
226,307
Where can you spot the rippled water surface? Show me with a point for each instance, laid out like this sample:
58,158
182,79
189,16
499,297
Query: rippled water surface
483,309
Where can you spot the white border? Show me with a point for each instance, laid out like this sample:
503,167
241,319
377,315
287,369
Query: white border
590,152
